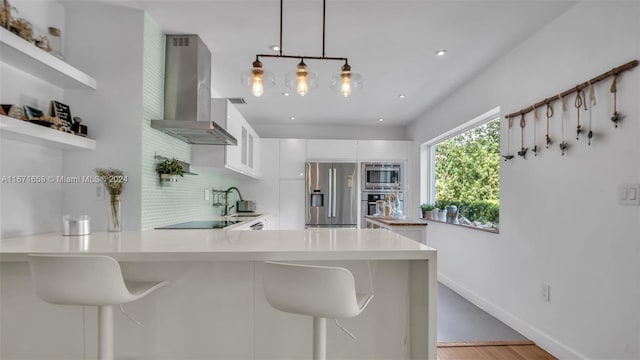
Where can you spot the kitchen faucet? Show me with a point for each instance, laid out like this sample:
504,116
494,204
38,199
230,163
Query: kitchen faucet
227,208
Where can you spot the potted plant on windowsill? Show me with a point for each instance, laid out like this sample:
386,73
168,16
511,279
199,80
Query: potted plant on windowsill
427,211
168,170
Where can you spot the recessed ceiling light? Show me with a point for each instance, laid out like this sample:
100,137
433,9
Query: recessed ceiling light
401,96
285,94
441,52
274,47
381,119
292,118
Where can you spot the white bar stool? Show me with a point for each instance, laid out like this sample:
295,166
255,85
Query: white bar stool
319,291
92,280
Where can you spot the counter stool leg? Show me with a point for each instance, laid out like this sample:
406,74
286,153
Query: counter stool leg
105,332
319,338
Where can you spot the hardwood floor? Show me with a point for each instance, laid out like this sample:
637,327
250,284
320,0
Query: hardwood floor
497,350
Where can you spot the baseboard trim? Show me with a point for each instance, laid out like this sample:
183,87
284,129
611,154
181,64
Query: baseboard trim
543,340
485,343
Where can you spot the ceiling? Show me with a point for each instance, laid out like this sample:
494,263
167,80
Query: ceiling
391,43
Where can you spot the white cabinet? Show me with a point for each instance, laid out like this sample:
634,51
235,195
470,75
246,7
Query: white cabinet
292,207
292,158
243,158
382,150
332,150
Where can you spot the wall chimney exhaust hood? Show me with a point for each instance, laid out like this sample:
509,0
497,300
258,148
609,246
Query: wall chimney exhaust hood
187,94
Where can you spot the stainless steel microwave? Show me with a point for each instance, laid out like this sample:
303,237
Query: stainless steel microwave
382,176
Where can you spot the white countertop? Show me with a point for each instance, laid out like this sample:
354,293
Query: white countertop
207,244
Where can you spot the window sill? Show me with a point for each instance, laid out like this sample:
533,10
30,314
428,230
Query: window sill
489,230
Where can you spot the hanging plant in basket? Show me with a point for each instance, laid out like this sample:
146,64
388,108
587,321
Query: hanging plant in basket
168,170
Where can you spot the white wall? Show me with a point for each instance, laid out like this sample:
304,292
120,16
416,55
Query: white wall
30,208
113,55
560,220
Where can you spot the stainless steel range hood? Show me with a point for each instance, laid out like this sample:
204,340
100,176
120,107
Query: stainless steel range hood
187,94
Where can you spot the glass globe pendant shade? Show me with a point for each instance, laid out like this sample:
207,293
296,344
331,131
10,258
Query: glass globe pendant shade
302,80
257,79
346,82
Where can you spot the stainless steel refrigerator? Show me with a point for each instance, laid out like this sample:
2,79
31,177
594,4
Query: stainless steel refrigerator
331,197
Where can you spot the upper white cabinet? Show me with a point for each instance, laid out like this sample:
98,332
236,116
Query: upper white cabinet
382,150
332,150
244,158
26,57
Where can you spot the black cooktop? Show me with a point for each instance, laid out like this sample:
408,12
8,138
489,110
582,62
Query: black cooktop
201,224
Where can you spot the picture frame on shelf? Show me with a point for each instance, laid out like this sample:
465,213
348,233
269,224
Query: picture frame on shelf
63,112
33,113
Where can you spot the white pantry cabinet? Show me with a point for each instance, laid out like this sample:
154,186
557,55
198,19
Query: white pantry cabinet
292,208
292,158
382,150
332,150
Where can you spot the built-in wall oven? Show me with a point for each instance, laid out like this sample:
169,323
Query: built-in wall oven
382,176
369,199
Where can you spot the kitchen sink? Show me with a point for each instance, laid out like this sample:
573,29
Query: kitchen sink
240,215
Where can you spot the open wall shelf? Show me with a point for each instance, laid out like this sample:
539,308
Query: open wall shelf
23,55
25,131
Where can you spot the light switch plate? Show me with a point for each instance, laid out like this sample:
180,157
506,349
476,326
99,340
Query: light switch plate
629,194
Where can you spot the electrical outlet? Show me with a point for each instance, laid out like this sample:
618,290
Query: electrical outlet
629,194
545,292
207,194
99,192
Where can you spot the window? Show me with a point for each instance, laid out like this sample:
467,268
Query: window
462,168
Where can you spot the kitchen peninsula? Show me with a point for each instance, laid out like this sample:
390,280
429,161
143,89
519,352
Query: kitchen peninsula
215,307
415,229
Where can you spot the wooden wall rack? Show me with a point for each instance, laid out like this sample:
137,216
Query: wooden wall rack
613,72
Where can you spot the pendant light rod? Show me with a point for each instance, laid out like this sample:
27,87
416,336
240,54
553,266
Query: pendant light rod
302,57
281,27
324,21
323,57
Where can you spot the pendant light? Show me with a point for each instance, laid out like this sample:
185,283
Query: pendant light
257,79
346,81
302,80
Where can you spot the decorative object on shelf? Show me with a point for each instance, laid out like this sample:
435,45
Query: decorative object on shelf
427,211
56,43
42,42
114,180
77,128
302,80
33,113
5,14
14,111
63,112
452,214
169,169
509,156
19,26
